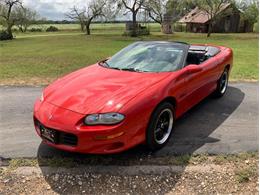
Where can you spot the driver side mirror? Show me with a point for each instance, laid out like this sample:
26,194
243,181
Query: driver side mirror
194,68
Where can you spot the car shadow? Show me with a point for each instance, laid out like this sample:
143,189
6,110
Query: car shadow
191,133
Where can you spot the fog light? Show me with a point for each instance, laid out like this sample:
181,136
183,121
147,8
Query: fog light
107,137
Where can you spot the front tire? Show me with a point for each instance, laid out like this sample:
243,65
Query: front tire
160,126
222,84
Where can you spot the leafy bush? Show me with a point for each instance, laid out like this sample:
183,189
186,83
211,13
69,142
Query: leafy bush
5,36
35,30
52,29
144,31
139,32
15,30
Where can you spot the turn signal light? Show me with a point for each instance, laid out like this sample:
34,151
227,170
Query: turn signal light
107,137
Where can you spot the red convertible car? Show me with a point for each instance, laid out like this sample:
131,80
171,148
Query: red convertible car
131,98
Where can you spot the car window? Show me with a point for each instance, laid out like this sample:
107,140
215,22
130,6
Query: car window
148,57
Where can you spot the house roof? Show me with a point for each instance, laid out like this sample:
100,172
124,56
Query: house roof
200,16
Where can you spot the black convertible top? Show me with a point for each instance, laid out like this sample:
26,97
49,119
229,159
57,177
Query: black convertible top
209,51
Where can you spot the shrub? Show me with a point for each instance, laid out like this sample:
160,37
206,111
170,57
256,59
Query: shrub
140,32
15,30
144,31
52,29
5,36
35,30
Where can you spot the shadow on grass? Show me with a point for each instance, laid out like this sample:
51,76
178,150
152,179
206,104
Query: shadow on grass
192,131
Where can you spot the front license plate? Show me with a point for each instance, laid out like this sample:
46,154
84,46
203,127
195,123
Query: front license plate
48,134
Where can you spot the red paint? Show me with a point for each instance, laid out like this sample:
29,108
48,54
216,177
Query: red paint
96,89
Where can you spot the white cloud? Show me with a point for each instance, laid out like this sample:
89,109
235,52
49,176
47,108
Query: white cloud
53,9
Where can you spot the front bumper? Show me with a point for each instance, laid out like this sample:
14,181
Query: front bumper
103,139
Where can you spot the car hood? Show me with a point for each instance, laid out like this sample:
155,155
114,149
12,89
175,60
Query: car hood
96,89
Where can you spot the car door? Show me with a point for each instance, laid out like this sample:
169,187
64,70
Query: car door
195,79
200,81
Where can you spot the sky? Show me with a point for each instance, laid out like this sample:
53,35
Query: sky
53,9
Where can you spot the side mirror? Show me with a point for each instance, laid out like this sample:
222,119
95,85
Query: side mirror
104,60
194,68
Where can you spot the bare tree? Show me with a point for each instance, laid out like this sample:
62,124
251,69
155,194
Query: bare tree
213,9
134,7
156,10
85,16
25,17
76,14
8,14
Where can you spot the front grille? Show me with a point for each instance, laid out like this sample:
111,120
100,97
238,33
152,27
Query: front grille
62,137
68,139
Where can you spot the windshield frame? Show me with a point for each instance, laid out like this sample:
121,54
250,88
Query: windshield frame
182,46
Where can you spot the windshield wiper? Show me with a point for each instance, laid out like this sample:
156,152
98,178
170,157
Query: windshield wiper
132,69
114,68
105,64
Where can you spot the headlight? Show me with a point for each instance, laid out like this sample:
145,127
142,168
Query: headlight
42,97
104,119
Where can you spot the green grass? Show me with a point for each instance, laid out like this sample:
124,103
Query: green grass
38,58
245,174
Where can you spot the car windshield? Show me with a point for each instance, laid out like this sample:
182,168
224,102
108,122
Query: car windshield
148,57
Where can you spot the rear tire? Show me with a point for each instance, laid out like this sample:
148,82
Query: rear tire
160,126
222,84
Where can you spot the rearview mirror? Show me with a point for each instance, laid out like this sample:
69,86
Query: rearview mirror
193,68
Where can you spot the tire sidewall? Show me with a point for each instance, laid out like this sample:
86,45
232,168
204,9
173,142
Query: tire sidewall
150,137
218,92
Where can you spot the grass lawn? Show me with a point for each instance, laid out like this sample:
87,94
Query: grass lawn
37,58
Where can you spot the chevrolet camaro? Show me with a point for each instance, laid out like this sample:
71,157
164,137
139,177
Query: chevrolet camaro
131,98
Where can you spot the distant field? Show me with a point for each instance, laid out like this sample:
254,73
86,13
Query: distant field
39,58
95,26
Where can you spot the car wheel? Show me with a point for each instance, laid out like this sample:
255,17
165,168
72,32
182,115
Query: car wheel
222,84
160,127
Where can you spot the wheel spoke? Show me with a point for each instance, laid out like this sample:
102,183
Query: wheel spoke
157,130
166,123
163,126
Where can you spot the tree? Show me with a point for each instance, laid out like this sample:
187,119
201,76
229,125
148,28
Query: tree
156,10
179,8
76,14
134,7
8,14
86,15
26,17
213,9
250,10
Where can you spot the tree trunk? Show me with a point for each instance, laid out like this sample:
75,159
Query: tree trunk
82,26
25,28
21,29
134,32
166,28
88,28
209,29
9,31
